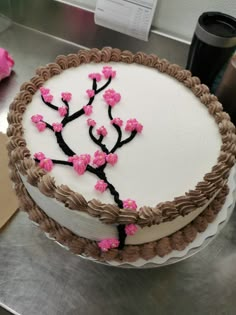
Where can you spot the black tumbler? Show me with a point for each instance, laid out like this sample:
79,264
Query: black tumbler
213,43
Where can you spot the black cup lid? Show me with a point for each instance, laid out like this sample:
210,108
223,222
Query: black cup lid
217,29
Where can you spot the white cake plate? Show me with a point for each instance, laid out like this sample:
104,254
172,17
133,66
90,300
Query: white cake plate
200,242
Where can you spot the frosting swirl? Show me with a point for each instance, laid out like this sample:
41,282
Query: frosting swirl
43,72
106,54
76,201
37,80
54,69
126,56
47,185
74,60
34,175
62,61
28,86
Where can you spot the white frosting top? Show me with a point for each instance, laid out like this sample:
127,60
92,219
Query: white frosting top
179,144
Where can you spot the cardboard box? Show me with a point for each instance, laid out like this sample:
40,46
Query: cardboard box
8,199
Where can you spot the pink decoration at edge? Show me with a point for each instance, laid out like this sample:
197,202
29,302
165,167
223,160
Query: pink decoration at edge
6,62
44,91
66,96
99,158
48,98
108,72
130,229
91,122
90,93
39,156
46,164
57,127
96,76
117,121
101,185
111,97
102,131
88,109
41,126
129,204
133,124
112,158
36,118
108,243
62,111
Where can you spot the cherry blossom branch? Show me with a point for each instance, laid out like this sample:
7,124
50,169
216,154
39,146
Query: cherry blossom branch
98,141
49,104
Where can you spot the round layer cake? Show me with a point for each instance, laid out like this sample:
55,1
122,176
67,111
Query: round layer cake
119,155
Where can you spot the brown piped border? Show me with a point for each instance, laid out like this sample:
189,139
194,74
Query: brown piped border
130,253
110,214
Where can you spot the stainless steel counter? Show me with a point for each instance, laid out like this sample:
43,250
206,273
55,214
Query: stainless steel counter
38,277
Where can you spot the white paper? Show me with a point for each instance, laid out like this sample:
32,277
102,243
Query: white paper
131,17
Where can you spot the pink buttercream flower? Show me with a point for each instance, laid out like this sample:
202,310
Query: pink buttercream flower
108,243
129,204
101,185
6,62
117,121
90,93
99,158
133,125
46,164
41,126
44,91
102,131
48,98
73,158
130,229
80,162
39,156
112,158
88,109
91,122
86,158
111,97
108,72
96,76
62,111
66,96
79,166
57,127
36,118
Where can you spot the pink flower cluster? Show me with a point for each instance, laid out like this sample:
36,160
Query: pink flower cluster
62,111
111,97
133,125
44,163
100,158
108,243
108,72
130,229
91,122
45,94
101,186
39,156
80,162
37,120
102,131
44,91
117,121
96,76
57,127
66,96
88,109
90,93
129,204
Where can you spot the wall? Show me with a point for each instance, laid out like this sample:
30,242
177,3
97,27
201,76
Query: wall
178,17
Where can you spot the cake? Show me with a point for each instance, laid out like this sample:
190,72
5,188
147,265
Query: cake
119,156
